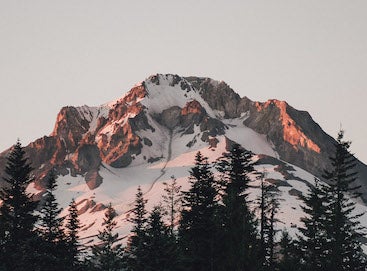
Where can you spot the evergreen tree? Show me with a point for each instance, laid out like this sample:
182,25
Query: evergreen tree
17,212
72,237
288,254
312,242
51,230
135,251
198,228
343,227
238,219
161,247
107,254
273,209
2,242
268,206
172,202
263,202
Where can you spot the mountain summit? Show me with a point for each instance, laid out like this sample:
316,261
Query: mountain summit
103,153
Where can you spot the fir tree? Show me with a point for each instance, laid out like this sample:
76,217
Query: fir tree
17,211
198,228
289,260
135,251
273,209
50,229
172,202
161,247
238,219
72,237
108,254
312,242
263,208
343,227
2,242
268,206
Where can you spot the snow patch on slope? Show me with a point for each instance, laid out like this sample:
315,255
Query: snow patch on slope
248,138
119,188
159,139
92,114
165,95
186,159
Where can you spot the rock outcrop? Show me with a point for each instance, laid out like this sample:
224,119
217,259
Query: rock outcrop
127,130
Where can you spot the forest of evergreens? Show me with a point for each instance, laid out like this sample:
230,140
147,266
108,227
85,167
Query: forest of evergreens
211,226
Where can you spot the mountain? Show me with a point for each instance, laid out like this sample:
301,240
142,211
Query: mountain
101,154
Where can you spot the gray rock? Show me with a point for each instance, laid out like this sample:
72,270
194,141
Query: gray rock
88,158
147,142
93,179
170,117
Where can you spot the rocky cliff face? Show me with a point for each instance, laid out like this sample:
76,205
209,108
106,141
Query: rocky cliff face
296,137
129,131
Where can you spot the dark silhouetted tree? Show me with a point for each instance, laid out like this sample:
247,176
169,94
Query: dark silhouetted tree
288,255
135,250
239,221
172,201
72,237
312,242
18,217
107,254
198,228
51,230
343,225
267,206
160,245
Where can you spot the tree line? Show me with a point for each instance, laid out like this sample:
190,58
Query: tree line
212,226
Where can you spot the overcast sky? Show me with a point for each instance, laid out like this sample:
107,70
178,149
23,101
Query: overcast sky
311,53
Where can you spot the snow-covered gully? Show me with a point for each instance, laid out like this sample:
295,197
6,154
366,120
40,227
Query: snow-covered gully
163,170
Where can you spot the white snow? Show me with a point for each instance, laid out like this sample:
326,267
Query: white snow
165,95
92,114
176,157
247,137
120,185
159,139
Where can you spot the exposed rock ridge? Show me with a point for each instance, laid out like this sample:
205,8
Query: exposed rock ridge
126,130
296,137
292,133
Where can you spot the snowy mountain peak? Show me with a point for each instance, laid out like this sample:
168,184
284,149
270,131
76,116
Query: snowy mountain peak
132,129
165,91
101,154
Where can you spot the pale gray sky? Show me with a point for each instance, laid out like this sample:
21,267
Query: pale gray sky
310,53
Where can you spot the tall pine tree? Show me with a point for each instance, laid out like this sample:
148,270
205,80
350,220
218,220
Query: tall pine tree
107,254
343,227
72,237
273,209
288,256
267,206
135,250
18,217
198,230
160,245
2,242
172,201
312,243
238,219
50,228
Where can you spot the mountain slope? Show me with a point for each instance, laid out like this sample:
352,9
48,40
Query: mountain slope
103,153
